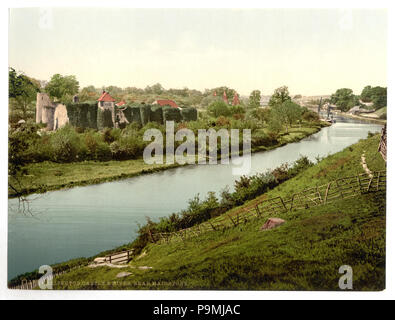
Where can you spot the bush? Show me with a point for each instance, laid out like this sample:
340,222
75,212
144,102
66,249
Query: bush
310,116
127,147
97,149
236,110
219,108
66,145
260,138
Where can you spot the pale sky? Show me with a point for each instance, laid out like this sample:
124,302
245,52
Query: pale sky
312,51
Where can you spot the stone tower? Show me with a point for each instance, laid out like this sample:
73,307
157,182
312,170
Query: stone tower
45,110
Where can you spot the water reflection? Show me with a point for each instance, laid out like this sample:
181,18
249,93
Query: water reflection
85,220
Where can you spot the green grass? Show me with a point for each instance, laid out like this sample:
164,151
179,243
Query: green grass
46,176
303,254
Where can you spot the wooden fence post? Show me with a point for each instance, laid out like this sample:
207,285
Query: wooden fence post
327,191
257,210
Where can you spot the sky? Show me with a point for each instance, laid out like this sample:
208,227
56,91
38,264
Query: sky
312,51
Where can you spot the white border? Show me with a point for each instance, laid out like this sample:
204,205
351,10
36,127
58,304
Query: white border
191,295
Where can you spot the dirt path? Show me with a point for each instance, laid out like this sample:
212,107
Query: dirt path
365,166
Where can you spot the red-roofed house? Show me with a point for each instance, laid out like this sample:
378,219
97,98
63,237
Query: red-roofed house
106,102
106,97
163,103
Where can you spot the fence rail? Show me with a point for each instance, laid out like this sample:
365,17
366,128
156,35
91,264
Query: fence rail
343,188
383,143
114,258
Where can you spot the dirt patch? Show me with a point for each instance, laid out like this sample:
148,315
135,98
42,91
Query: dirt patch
340,162
221,243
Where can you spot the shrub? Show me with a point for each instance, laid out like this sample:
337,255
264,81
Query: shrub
219,108
222,122
236,110
127,147
260,138
310,116
66,145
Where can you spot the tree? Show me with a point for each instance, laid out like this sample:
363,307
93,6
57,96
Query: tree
89,93
22,91
255,99
61,87
219,108
344,99
377,95
279,96
286,113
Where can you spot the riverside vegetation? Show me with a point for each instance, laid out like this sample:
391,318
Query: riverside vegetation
303,254
41,161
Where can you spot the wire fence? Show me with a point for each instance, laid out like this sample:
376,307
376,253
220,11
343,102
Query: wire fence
343,188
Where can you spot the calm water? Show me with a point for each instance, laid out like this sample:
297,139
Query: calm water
86,220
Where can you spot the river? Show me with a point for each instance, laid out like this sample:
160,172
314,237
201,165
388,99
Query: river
83,221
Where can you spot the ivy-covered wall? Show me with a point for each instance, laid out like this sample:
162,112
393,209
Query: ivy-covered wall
89,115
83,115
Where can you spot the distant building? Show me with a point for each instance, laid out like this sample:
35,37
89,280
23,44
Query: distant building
225,98
105,100
236,100
163,103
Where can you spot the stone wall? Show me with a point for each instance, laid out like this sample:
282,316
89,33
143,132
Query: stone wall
53,114
60,116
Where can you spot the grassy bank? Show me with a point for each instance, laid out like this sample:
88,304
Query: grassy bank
303,254
47,176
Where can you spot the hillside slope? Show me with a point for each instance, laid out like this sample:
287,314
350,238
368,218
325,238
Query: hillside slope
305,253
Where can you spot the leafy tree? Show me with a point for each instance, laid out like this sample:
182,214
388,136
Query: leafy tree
280,96
286,113
377,95
344,99
22,90
62,87
255,99
89,93
219,108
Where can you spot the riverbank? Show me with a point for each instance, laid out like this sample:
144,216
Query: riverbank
48,176
368,119
303,254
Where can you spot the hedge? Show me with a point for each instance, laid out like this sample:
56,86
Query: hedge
104,119
171,114
189,114
156,114
145,113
